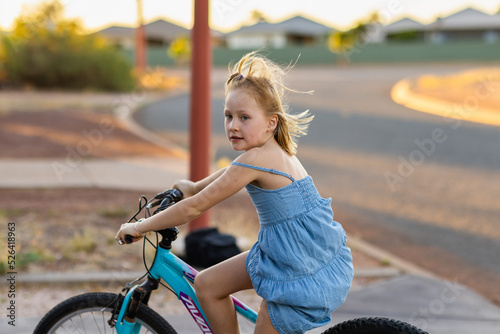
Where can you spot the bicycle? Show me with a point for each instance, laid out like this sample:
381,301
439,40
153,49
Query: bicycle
130,313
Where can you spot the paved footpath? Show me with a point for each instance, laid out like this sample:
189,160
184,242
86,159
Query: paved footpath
153,174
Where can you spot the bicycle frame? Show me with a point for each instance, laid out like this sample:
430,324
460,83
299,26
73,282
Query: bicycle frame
179,276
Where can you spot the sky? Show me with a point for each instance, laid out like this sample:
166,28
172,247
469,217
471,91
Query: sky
227,15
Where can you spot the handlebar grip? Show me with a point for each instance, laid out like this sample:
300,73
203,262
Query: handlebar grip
129,239
177,193
170,195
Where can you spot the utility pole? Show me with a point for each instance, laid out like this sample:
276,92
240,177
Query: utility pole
200,119
140,41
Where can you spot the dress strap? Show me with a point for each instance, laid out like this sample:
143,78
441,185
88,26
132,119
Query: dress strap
273,171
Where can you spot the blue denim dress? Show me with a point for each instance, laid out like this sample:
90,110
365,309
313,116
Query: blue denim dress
300,264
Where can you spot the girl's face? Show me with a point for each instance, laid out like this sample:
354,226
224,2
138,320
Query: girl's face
247,125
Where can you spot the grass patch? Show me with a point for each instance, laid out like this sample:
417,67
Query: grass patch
31,256
82,241
10,213
25,258
385,262
114,212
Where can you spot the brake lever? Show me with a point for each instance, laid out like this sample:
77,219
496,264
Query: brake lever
153,204
175,194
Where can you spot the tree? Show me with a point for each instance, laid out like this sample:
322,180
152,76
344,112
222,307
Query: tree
344,42
180,50
257,16
45,50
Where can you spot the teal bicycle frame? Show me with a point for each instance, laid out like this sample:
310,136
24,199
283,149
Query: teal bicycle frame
179,276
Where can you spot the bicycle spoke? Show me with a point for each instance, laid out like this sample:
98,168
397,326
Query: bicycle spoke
74,324
83,324
63,327
104,324
90,322
97,324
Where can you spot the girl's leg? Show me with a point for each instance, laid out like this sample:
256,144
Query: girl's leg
213,287
264,324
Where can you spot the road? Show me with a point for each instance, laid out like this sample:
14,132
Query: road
421,186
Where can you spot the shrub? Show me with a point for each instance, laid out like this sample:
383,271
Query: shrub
180,50
46,51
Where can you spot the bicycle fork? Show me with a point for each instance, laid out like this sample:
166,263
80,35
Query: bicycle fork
137,295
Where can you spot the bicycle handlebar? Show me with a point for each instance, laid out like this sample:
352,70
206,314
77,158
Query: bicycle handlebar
164,200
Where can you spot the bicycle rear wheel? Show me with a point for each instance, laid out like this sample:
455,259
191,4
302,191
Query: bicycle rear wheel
374,326
90,312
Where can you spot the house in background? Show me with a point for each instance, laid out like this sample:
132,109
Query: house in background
404,29
162,33
295,31
123,37
158,33
467,25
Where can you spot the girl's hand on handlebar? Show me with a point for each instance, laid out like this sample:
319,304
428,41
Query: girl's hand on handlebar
186,187
129,229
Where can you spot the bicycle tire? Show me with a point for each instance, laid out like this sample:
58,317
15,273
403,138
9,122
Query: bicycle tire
90,312
374,326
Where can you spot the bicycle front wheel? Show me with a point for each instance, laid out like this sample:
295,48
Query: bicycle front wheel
90,312
374,326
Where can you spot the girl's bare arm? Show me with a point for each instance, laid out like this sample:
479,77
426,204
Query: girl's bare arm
202,184
190,188
216,188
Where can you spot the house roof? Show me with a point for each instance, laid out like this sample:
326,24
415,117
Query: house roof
116,31
405,24
467,19
157,29
165,29
160,29
297,25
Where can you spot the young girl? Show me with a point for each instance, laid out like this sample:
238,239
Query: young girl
300,264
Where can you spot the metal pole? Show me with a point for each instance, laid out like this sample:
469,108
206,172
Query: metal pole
140,43
200,120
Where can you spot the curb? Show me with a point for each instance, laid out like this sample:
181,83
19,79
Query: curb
402,93
384,256
126,117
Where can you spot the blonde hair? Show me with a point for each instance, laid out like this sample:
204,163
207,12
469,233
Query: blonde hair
263,79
